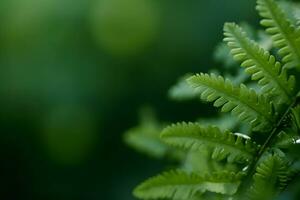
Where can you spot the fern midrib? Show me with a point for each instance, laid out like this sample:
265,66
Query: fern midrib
269,119
212,143
264,147
241,100
288,38
258,61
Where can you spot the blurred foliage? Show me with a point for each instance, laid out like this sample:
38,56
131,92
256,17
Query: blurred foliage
72,75
145,137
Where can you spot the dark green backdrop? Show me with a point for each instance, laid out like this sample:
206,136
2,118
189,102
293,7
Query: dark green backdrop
73,74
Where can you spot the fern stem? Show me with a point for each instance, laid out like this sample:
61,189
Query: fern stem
264,147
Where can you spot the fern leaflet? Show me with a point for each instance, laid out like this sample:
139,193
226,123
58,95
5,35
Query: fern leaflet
271,175
245,103
260,64
285,36
182,185
225,144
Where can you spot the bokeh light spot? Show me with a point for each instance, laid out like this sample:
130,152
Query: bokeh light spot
124,27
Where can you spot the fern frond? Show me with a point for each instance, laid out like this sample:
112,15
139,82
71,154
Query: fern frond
225,144
292,11
271,177
182,185
145,137
285,36
146,140
245,103
182,91
260,64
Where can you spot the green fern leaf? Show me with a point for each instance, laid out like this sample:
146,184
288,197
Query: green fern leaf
271,177
225,144
285,36
182,185
292,11
245,103
260,64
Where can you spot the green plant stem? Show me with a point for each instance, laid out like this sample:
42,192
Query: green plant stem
264,147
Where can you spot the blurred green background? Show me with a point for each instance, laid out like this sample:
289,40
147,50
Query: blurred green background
74,73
